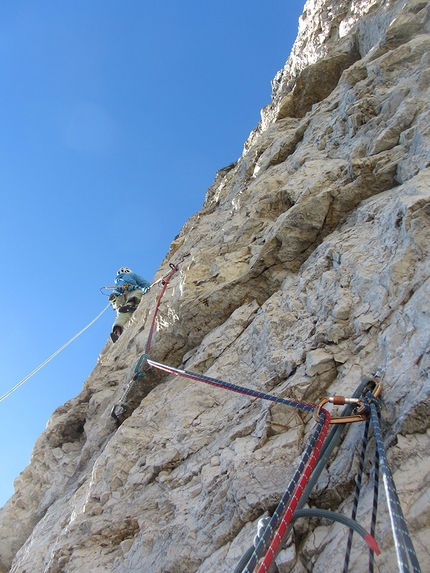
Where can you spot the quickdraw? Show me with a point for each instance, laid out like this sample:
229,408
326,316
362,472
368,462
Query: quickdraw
363,406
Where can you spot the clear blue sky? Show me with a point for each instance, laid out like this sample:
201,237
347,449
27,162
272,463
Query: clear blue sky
114,118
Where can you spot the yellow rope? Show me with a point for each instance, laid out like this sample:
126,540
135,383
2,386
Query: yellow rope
52,356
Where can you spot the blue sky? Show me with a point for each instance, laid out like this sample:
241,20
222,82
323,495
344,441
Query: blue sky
114,118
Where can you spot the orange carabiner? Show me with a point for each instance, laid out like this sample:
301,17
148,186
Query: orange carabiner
361,414
341,401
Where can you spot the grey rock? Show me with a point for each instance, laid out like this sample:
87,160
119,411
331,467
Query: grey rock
306,271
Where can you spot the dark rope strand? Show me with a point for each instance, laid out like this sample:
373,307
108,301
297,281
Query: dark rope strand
321,514
357,491
229,386
334,516
374,505
276,518
304,480
329,445
398,524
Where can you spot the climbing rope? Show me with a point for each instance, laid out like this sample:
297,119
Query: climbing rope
358,482
9,392
320,514
165,282
311,465
312,450
228,386
403,543
374,506
329,445
281,518
271,534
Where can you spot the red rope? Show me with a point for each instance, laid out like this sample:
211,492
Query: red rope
165,283
286,520
310,466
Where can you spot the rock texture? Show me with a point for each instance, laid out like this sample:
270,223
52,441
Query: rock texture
306,270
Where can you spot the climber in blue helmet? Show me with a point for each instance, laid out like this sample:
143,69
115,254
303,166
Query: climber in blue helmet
125,298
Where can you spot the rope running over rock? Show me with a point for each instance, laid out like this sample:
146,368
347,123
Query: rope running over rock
402,541
315,456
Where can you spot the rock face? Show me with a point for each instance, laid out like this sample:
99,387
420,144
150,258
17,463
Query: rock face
306,270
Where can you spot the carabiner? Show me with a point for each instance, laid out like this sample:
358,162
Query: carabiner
340,401
361,414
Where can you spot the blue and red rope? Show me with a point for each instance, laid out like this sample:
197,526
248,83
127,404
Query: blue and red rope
273,534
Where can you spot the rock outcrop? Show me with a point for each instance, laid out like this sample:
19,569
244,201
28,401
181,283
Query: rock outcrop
306,270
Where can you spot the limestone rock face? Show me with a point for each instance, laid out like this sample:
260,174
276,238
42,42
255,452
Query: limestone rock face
306,270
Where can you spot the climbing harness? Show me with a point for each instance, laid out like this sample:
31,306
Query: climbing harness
363,406
118,410
127,287
52,356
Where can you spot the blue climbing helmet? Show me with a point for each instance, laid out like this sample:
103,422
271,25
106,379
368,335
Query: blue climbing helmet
123,271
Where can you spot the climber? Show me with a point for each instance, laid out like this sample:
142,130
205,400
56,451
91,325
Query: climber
125,298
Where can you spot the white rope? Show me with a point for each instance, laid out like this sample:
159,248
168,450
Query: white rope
52,356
